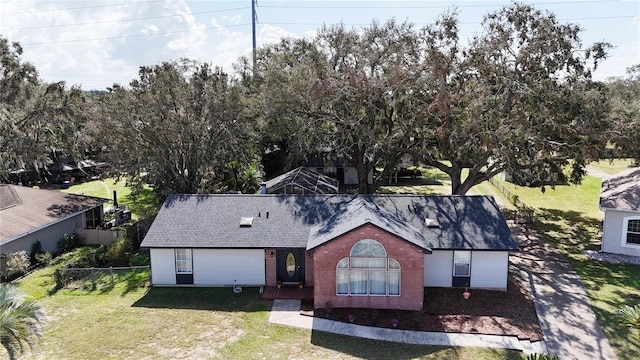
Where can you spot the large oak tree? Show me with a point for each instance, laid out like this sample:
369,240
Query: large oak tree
38,121
624,104
177,126
518,96
347,92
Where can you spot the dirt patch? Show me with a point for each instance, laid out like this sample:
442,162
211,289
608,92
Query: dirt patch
446,310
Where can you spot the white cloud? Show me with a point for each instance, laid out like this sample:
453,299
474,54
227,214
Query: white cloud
97,43
100,42
270,34
150,29
234,20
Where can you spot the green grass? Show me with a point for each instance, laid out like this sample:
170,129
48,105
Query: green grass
582,199
568,217
141,206
196,323
409,187
613,166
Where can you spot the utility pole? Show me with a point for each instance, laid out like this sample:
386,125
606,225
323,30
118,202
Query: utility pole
254,18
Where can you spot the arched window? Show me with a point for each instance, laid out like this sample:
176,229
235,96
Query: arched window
368,271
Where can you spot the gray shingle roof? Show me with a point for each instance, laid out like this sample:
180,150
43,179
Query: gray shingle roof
360,211
621,191
204,221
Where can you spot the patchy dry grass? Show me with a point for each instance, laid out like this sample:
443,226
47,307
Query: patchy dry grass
196,323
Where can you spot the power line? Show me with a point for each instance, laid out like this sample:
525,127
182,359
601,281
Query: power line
82,7
287,6
133,36
124,20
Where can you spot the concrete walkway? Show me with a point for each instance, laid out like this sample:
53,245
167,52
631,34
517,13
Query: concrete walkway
287,312
569,325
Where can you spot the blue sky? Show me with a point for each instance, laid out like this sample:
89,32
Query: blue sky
95,43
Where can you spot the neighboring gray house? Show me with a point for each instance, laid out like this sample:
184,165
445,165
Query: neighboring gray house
620,201
28,215
301,180
355,250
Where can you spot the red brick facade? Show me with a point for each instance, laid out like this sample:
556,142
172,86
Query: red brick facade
270,267
410,257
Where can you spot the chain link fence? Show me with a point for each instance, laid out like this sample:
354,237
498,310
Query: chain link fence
524,213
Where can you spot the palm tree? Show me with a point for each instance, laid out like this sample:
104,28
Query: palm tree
21,320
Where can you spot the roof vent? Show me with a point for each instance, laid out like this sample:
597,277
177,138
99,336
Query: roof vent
246,221
432,223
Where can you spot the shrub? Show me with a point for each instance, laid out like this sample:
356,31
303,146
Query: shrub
44,258
119,252
630,316
85,256
17,262
140,258
67,243
540,357
36,249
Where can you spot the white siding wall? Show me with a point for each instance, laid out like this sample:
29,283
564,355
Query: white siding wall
351,176
613,240
224,266
163,266
438,268
489,269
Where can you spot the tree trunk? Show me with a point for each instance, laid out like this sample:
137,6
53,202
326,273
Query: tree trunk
363,173
455,173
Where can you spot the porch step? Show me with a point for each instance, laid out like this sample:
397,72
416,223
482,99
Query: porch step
285,292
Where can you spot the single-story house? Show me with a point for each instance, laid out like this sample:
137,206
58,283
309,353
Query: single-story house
620,201
28,215
375,251
301,180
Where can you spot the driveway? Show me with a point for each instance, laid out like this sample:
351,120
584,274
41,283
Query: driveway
568,323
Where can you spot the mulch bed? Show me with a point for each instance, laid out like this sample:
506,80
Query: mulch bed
445,310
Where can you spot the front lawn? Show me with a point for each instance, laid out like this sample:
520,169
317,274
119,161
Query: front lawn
121,322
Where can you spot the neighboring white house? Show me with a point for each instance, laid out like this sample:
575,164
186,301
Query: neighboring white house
355,250
620,201
28,215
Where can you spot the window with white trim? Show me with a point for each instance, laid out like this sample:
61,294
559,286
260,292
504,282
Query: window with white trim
368,271
633,231
462,263
184,263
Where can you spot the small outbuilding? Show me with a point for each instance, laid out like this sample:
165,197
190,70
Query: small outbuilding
373,251
620,201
